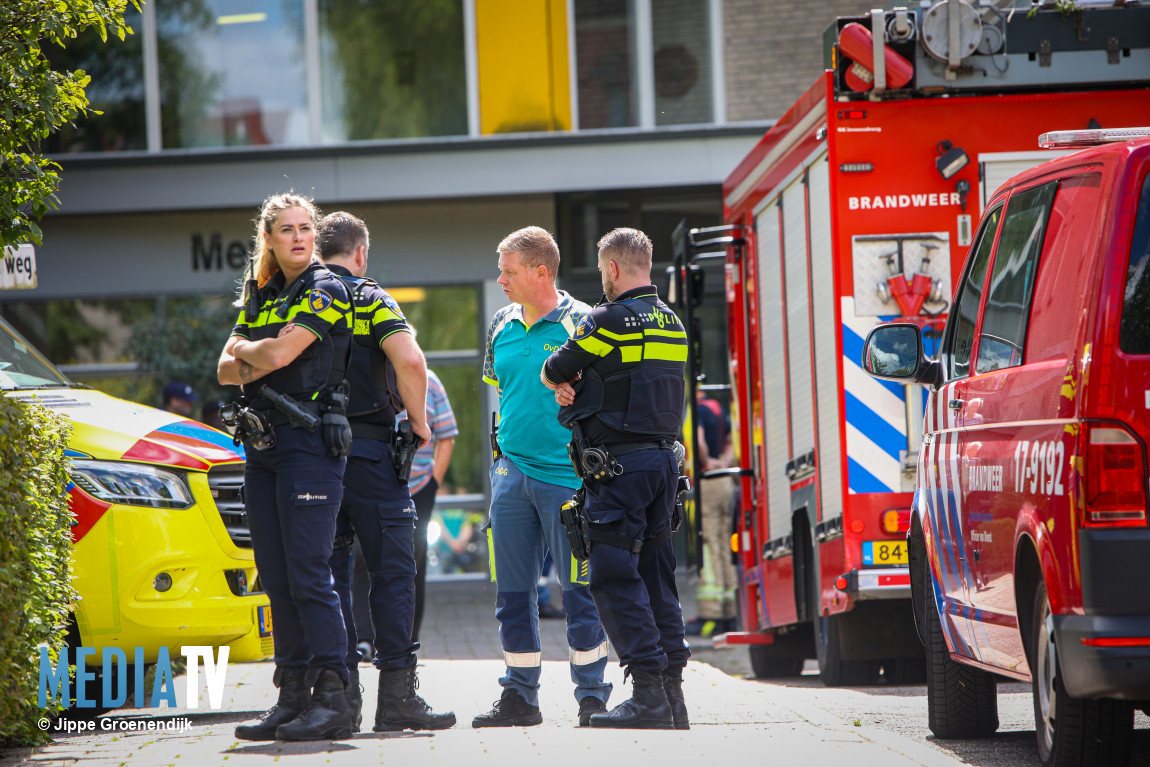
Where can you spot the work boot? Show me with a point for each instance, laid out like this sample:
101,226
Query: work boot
511,710
673,686
399,708
588,707
327,718
293,699
354,696
646,709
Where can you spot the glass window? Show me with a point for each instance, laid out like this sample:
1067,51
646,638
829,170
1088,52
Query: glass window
584,218
1134,336
605,55
682,55
116,89
392,69
960,329
447,323
1012,284
232,72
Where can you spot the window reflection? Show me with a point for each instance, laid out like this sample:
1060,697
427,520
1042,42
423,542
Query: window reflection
682,61
116,89
232,73
604,50
392,69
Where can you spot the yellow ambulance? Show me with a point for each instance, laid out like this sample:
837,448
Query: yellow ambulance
162,552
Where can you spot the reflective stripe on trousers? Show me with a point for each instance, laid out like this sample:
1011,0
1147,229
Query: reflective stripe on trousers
583,657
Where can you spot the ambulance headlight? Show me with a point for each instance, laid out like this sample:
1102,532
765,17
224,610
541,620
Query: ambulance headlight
132,484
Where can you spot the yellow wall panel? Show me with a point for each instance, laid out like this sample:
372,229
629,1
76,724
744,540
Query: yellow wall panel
523,73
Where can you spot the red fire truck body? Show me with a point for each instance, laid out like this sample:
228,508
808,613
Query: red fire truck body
855,211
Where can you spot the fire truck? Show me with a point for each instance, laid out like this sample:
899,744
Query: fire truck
857,207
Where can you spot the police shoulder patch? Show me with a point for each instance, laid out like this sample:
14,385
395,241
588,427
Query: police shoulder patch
586,328
391,303
318,300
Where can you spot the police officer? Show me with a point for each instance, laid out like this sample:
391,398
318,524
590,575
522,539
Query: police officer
385,361
289,351
620,381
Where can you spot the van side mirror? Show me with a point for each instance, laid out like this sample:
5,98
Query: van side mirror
894,352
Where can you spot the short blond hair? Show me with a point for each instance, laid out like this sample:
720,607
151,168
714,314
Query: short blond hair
629,248
534,246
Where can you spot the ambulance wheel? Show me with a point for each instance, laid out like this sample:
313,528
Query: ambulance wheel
767,664
835,671
962,701
1072,730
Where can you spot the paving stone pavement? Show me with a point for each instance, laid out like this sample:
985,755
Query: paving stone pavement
460,663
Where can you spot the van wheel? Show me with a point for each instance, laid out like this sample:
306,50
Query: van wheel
1072,730
962,701
835,671
766,663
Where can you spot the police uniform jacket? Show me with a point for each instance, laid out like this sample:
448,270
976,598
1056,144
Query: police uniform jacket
374,399
632,353
318,302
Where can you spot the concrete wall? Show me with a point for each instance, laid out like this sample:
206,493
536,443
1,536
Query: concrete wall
774,51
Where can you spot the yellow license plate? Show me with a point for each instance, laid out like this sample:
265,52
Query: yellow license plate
264,613
885,553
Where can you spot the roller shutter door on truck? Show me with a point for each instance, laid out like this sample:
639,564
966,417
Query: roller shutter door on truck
996,168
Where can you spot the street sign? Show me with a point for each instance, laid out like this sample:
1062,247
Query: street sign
18,268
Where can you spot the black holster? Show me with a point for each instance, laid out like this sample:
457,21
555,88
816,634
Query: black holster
573,515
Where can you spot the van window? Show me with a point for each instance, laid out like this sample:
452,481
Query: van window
1012,283
1134,336
960,330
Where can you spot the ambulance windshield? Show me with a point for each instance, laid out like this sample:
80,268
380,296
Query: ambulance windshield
22,367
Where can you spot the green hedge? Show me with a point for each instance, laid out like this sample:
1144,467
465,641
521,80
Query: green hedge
36,591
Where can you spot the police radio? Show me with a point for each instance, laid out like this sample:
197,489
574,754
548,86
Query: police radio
251,295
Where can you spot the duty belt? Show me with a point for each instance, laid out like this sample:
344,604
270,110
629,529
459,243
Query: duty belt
622,448
368,430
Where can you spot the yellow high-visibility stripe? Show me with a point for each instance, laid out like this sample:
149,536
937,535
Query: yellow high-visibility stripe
667,333
595,346
631,353
673,352
385,314
620,336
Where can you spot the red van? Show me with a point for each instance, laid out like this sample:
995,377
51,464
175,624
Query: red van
1029,531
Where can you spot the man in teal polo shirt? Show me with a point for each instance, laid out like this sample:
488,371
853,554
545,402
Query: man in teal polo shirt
530,481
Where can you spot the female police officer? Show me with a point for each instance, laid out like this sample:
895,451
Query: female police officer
289,351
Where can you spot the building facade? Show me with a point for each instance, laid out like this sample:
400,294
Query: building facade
444,124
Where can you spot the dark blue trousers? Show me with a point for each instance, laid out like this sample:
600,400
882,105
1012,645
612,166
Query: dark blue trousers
380,512
291,494
636,594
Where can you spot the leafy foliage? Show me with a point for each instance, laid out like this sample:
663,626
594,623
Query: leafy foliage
36,591
36,100
185,347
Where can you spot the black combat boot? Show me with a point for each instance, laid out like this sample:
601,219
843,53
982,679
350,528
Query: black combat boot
400,708
511,710
673,686
294,698
646,709
327,718
354,696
